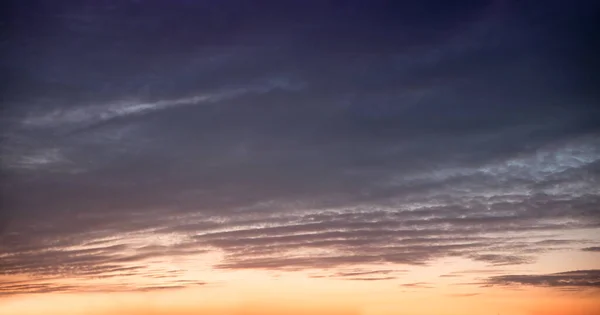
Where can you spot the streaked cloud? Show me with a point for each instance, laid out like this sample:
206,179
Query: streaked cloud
591,249
89,116
358,274
580,279
417,285
28,287
465,295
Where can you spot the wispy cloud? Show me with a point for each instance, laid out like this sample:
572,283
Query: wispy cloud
362,274
39,287
97,114
417,285
464,294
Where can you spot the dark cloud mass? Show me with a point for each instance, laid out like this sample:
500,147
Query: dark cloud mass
571,279
592,249
310,134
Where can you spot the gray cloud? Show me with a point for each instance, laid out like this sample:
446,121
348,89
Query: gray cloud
494,271
51,287
580,279
362,274
500,260
591,249
371,278
417,285
464,294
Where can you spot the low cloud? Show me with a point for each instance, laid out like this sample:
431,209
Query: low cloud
574,280
464,294
417,285
500,260
362,274
591,249
37,287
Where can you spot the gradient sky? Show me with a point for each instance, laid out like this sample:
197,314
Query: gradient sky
300,157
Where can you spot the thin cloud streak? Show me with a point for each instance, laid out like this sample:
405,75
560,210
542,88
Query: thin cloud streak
93,115
591,249
577,280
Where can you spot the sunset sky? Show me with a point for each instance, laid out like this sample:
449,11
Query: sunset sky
241,157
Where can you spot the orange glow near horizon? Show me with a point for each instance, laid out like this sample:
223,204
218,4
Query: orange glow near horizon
248,292
371,301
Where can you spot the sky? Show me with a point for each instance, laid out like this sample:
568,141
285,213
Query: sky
300,157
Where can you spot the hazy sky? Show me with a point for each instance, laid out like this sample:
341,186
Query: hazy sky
300,157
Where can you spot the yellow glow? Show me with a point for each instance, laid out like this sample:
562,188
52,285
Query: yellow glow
248,292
